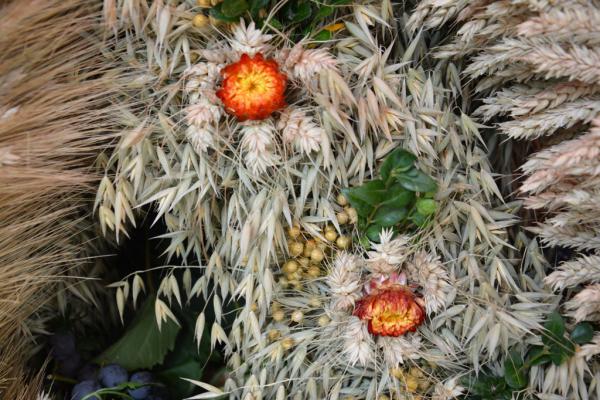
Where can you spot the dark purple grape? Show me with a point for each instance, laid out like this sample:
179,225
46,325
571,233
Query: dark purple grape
84,388
144,391
88,372
112,375
63,345
70,366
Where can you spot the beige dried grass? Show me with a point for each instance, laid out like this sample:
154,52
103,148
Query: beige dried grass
55,115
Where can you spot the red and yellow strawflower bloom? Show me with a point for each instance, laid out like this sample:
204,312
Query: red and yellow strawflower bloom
253,88
390,307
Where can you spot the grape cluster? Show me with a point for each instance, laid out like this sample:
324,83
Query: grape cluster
92,379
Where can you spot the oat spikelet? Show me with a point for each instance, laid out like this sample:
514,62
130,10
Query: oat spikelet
358,343
344,281
431,274
249,40
585,306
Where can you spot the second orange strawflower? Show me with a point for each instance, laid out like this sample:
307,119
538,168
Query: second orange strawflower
391,309
252,88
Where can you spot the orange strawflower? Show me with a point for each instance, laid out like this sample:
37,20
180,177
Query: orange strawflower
391,308
253,88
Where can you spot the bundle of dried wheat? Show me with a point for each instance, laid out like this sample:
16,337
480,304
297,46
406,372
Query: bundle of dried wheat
55,115
537,63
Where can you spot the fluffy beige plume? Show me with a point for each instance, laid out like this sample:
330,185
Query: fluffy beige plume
57,88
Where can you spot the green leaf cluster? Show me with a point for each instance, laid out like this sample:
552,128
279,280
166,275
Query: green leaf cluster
301,17
557,347
402,199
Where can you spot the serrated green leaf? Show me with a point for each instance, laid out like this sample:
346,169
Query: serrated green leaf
234,8
417,181
143,345
426,206
514,373
398,161
582,333
387,216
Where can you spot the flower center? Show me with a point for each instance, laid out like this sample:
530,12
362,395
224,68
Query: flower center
253,88
391,311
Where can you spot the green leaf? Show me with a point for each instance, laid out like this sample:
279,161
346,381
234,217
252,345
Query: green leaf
398,161
417,182
582,333
389,216
537,355
256,6
426,206
143,345
419,219
217,13
302,12
276,24
561,351
373,232
554,329
234,8
323,12
514,373
371,193
398,197
322,36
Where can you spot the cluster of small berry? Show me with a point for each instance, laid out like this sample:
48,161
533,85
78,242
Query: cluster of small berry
92,379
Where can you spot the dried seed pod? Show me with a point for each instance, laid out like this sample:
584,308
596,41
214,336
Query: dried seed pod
278,315
317,255
297,316
343,242
341,200
296,249
200,21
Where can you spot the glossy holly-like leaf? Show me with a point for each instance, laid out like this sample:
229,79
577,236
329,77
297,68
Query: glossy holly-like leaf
234,8
514,373
426,206
398,161
537,355
417,181
387,216
582,333
143,345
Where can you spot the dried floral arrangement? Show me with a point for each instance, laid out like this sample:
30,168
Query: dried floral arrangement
333,222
